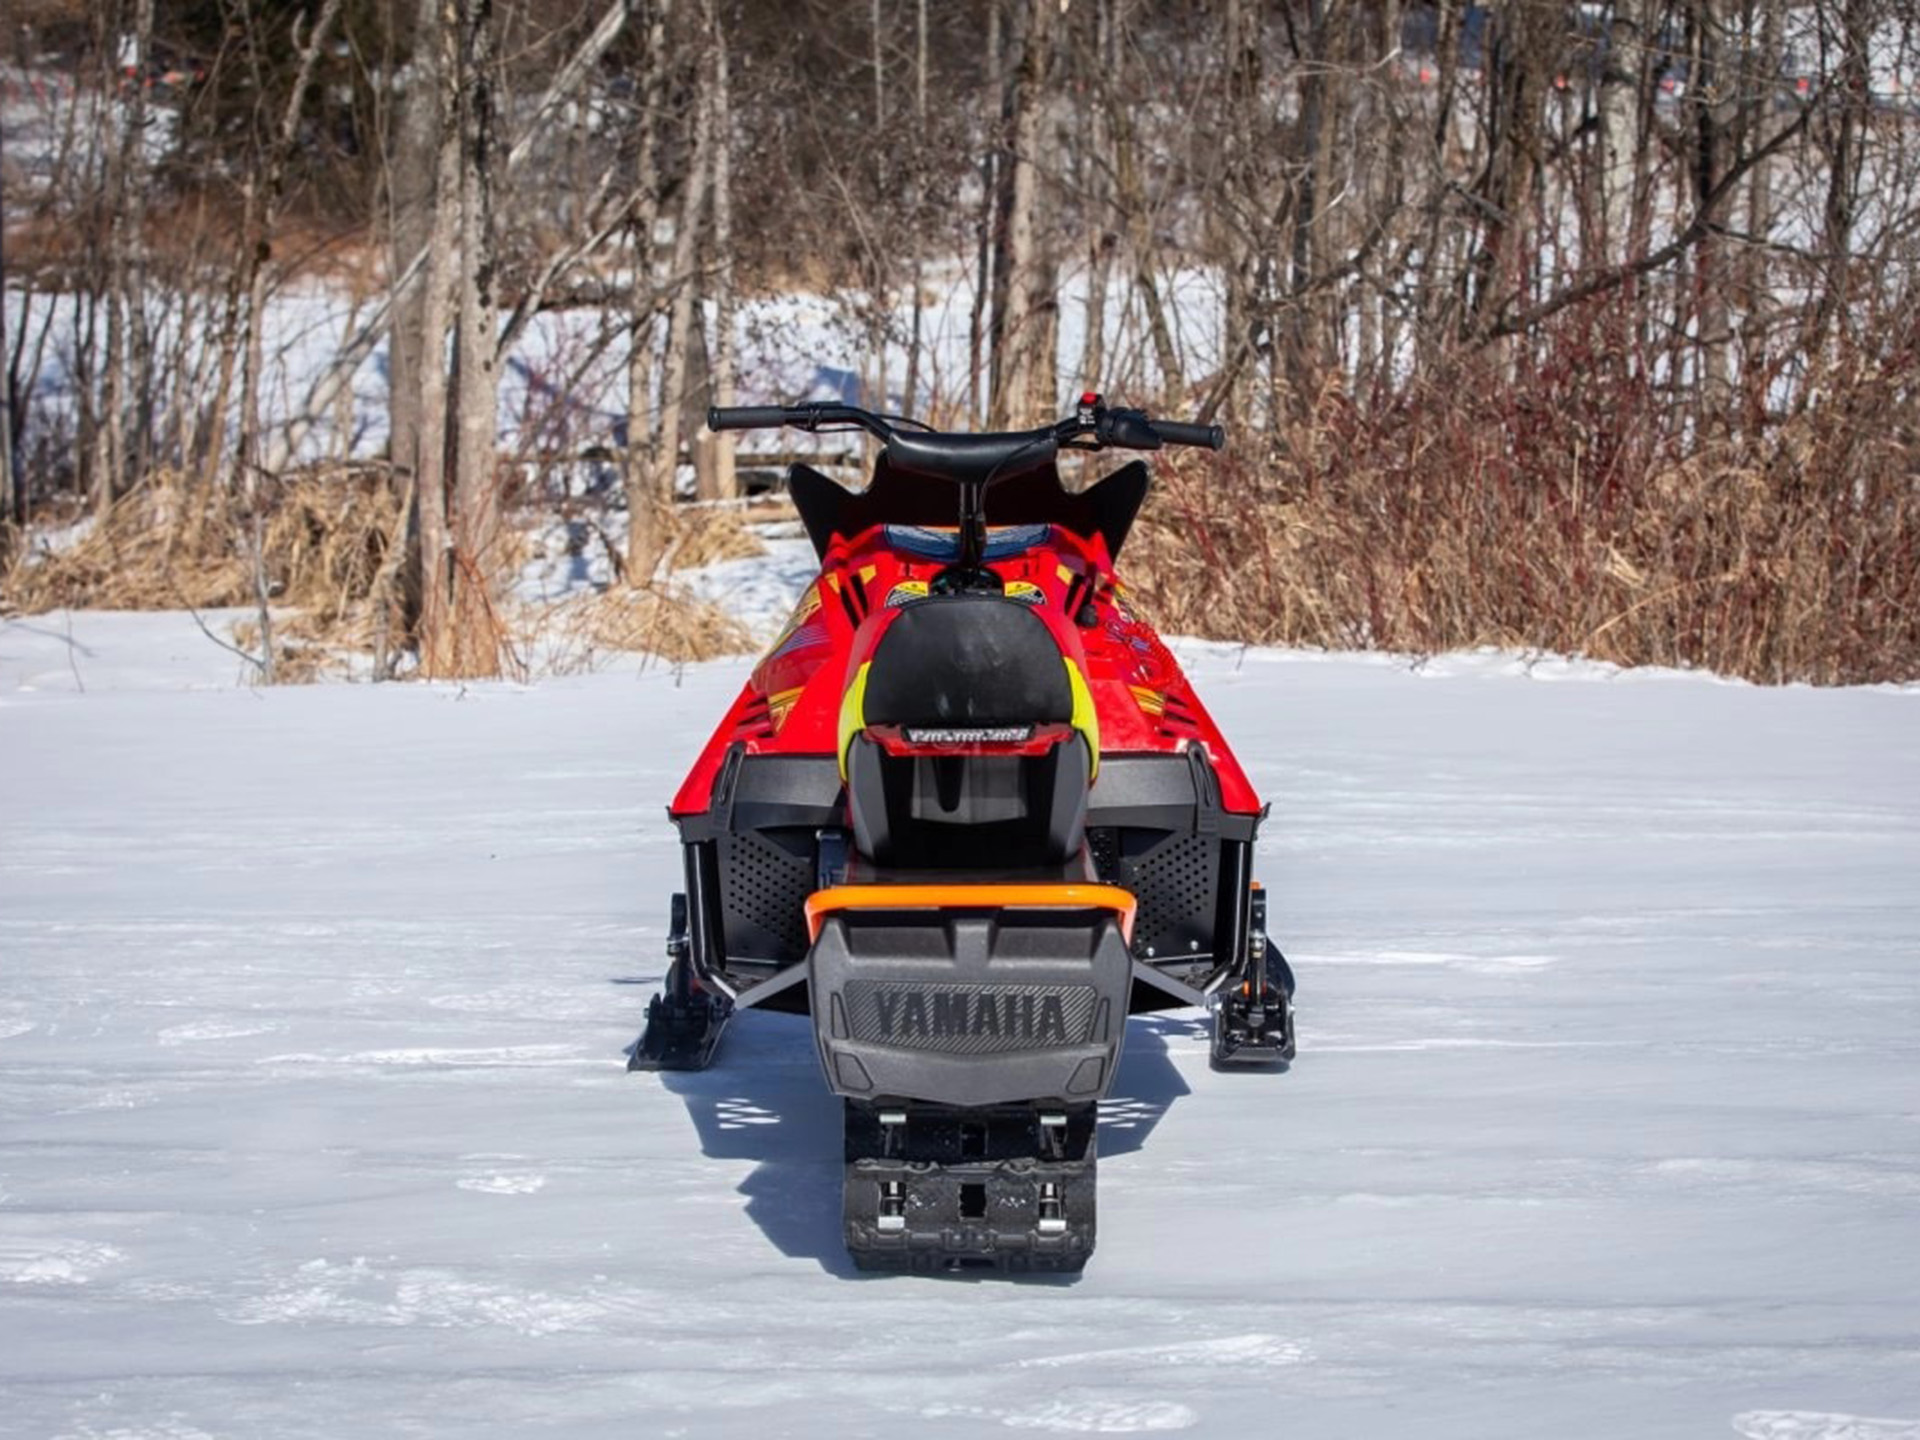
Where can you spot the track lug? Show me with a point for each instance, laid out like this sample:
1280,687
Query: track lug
1007,1188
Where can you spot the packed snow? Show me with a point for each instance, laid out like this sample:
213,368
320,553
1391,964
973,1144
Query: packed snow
313,1120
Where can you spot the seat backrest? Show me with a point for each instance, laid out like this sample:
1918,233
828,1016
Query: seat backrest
967,660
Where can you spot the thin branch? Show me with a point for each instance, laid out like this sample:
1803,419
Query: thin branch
1698,228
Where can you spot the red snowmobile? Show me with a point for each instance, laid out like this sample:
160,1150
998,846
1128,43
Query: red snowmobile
969,815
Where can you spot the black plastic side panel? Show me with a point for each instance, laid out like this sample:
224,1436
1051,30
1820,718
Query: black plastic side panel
1164,792
1156,827
765,879
756,852
760,792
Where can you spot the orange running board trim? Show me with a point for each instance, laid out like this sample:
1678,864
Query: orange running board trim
1069,896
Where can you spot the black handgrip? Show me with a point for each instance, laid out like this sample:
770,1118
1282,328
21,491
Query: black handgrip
746,417
1178,432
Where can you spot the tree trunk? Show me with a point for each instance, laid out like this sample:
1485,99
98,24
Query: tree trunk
137,400
723,378
686,310
124,193
1096,192
1843,176
987,236
478,637
1024,381
1237,244
13,504
1757,299
696,393
410,193
433,532
877,258
644,541
1615,170
1710,290
1131,190
917,240
1518,77
323,395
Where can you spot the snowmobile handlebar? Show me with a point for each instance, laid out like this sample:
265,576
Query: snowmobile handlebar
747,417
1092,420
1179,432
973,461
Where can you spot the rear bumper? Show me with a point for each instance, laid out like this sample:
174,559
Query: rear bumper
970,1001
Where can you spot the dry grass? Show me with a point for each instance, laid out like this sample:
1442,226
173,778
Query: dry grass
577,634
325,540
1571,510
170,544
332,569
699,535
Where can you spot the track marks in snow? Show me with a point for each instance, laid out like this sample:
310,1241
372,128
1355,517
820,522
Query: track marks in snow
171,1427
54,1262
1478,964
1079,1417
1257,1350
1845,1174
1104,1417
201,1030
491,1179
532,1000
1819,1425
355,1293
442,1057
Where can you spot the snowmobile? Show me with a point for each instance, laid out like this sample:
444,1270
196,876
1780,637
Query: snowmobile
968,815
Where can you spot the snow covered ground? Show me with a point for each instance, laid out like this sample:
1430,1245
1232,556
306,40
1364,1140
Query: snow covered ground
313,1122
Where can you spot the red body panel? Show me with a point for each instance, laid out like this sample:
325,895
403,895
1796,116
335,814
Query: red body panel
791,703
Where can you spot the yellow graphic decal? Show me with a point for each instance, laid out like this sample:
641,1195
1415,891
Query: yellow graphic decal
1025,590
802,612
907,590
1085,718
853,712
1154,702
781,705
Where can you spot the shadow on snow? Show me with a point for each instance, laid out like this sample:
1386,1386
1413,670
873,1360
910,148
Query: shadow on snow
765,1100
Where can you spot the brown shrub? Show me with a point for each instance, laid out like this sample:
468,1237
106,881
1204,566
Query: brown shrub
699,535
575,634
1569,508
170,544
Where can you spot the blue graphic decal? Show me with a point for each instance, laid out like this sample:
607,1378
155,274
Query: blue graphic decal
813,633
929,544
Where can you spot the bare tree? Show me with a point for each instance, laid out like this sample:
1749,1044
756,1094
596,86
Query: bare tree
644,518
1026,303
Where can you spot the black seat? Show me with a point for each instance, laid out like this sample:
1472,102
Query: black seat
967,660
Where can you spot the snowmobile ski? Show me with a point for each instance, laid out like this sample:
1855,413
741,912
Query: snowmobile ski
684,1023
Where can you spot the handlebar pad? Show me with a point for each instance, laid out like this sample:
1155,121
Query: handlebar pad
746,417
1177,432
